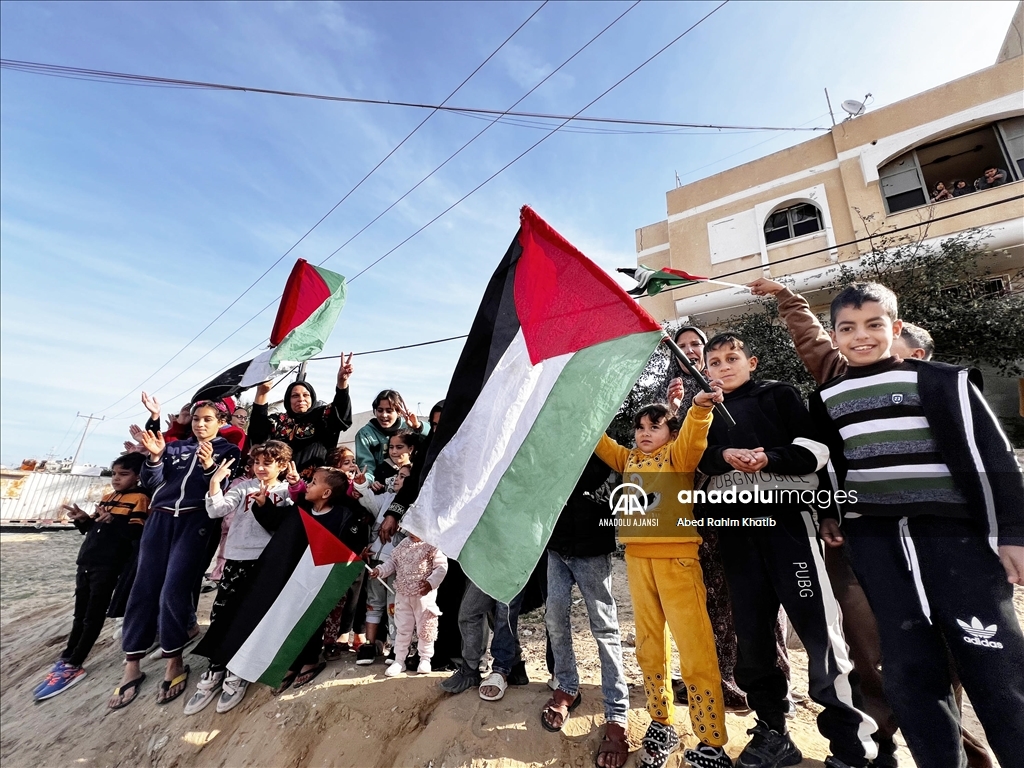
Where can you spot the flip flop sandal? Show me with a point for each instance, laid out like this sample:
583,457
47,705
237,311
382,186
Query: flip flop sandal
560,709
121,690
493,680
166,685
613,745
309,676
286,683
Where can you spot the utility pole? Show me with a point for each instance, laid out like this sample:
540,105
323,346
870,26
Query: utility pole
88,420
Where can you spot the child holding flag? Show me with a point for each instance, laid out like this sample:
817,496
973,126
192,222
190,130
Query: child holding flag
245,542
665,580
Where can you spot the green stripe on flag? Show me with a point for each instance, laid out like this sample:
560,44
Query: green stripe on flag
308,339
504,547
334,587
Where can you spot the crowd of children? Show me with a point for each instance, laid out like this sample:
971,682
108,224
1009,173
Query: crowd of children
889,511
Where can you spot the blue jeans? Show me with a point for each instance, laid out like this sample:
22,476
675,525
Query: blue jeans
476,604
594,577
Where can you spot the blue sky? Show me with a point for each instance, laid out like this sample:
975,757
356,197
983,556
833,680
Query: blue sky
131,216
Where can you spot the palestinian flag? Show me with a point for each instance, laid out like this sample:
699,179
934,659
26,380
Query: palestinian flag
650,282
555,348
303,573
312,300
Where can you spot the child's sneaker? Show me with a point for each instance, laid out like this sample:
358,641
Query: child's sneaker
424,668
232,694
58,681
207,690
658,743
394,670
768,749
368,652
706,756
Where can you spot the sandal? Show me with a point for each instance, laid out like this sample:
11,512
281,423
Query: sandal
305,678
557,710
494,680
121,690
180,682
614,745
286,683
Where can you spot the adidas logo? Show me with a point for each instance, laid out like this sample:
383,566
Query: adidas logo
978,634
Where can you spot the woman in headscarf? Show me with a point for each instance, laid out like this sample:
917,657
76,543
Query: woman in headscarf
310,430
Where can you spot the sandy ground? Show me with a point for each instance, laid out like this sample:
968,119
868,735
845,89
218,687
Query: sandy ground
352,716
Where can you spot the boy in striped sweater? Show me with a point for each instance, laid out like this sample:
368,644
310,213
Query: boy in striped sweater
934,521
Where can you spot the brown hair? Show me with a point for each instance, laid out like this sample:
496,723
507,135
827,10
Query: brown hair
335,457
274,450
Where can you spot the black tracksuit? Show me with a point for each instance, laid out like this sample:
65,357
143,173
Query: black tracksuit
766,565
933,578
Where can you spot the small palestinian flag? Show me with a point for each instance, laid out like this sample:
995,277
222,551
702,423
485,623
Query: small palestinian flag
649,282
554,349
312,300
286,622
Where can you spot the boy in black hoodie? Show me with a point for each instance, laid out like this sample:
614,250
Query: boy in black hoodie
772,555
110,538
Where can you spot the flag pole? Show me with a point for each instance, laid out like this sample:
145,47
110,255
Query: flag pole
697,376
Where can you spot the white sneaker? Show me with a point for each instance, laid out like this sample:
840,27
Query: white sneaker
395,669
207,690
423,668
232,694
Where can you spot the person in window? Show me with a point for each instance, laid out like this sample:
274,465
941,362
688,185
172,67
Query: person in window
994,177
961,188
940,193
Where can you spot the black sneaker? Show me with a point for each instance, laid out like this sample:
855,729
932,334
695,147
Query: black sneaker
768,749
706,756
460,681
658,743
367,654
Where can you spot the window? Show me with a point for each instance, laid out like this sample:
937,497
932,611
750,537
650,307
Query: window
799,220
911,180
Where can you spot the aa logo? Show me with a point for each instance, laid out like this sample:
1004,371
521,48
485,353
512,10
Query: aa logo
628,499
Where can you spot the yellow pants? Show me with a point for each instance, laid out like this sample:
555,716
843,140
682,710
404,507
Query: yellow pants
669,594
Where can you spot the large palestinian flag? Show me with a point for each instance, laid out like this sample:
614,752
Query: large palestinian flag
312,300
555,347
303,573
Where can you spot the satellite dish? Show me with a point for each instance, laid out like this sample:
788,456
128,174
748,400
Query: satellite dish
853,107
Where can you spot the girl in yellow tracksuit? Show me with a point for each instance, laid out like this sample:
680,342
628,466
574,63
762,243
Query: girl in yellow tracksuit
666,582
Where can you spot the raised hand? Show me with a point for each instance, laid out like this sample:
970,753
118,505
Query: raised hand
360,477
675,393
75,512
344,371
261,495
292,476
205,453
708,399
153,442
152,405
765,287
410,418
223,472
262,391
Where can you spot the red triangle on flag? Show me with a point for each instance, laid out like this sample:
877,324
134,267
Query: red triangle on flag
304,292
566,302
326,548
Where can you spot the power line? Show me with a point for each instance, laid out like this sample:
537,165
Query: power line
322,218
864,239
423,180
117,78
540,141
491,124
544,138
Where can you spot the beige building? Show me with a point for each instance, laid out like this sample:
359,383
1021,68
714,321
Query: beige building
792,214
